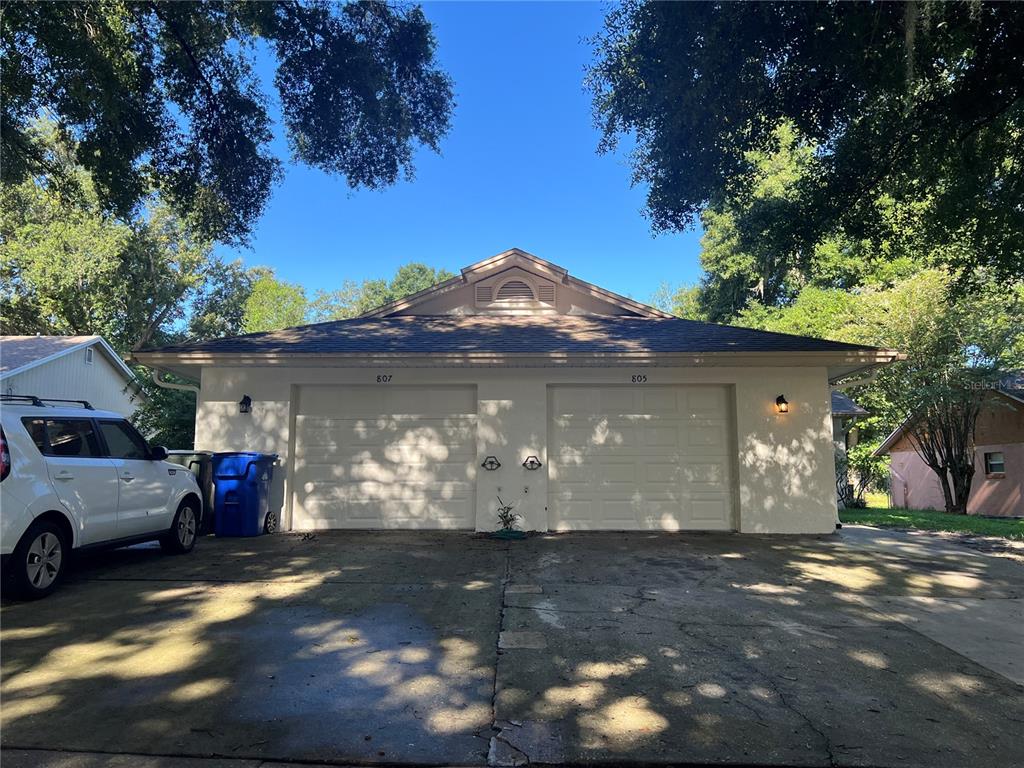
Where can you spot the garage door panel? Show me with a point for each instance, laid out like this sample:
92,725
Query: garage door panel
386,401
666,436
705,401
413,465
658,401
660,461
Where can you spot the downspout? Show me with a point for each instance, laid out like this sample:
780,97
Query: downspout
155,374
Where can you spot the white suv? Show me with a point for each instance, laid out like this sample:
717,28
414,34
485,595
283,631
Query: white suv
72,477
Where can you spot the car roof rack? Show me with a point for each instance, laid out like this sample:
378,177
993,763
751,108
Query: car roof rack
41,401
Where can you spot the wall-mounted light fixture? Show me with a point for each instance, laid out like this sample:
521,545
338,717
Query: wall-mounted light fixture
491,463
782,404
245,404
532,462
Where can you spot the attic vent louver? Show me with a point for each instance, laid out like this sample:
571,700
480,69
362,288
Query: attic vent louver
484,294
515,290
546,293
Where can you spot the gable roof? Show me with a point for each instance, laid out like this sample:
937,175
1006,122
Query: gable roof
505,260
22,353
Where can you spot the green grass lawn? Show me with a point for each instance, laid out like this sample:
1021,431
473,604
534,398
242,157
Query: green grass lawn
929,520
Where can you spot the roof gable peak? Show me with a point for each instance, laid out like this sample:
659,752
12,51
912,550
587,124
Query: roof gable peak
555,291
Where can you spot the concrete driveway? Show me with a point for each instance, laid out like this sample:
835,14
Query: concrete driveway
864,649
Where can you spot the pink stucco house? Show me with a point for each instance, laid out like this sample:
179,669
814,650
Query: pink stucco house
998,487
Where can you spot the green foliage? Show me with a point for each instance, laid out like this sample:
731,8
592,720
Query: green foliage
164,96
273,304
684,301
409,279
66,267
933,520
167,416
911,118
956,347
752,258
219,308
75,270
823,313
868,471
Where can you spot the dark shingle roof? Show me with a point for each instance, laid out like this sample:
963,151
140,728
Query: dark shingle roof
842,405
568,334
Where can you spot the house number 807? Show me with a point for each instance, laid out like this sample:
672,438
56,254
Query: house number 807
384,378
639,378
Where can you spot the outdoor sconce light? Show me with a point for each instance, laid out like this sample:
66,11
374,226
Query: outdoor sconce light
491,463
781,404
532,462
245,404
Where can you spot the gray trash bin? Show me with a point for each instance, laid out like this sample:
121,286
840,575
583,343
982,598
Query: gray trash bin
200,463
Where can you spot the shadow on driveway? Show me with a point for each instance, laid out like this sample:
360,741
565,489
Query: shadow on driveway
456,649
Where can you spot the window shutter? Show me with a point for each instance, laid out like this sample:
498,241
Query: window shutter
546,293
484,294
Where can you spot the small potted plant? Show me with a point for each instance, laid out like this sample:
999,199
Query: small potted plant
507,520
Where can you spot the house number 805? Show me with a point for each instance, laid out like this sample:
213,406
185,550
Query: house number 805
639,378
384,378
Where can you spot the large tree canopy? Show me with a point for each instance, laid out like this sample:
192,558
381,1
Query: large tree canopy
920,101
163,96
271,304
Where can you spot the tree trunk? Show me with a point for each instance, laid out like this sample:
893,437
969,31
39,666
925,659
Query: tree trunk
947,493
962,477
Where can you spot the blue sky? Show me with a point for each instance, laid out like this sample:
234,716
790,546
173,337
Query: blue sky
519,168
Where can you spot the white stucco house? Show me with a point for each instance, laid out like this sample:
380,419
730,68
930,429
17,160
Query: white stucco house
70,368
585,409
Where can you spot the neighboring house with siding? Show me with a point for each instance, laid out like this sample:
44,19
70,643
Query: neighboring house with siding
998,484
583,408
68,367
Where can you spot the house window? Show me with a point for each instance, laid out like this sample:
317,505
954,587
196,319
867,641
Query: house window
994,464
88,356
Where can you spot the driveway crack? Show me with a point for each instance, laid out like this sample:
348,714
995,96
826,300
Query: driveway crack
495,729
826,742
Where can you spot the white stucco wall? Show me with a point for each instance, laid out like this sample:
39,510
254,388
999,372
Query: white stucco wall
784,462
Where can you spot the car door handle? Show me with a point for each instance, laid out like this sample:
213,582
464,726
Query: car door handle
127,477
64,475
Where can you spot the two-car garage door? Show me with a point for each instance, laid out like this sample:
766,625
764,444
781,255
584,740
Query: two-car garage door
619,458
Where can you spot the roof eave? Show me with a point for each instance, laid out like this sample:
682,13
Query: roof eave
839,364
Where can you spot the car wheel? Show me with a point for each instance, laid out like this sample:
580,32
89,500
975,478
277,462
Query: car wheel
184,530
39,561
270,523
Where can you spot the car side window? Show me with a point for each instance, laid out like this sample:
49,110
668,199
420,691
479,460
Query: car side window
67,438
37,431
123,442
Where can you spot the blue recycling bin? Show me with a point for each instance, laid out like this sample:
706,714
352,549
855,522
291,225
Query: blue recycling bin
242,496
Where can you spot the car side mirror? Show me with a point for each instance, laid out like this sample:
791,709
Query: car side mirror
157,453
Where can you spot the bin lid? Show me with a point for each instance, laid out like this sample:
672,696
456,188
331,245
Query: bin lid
244,454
